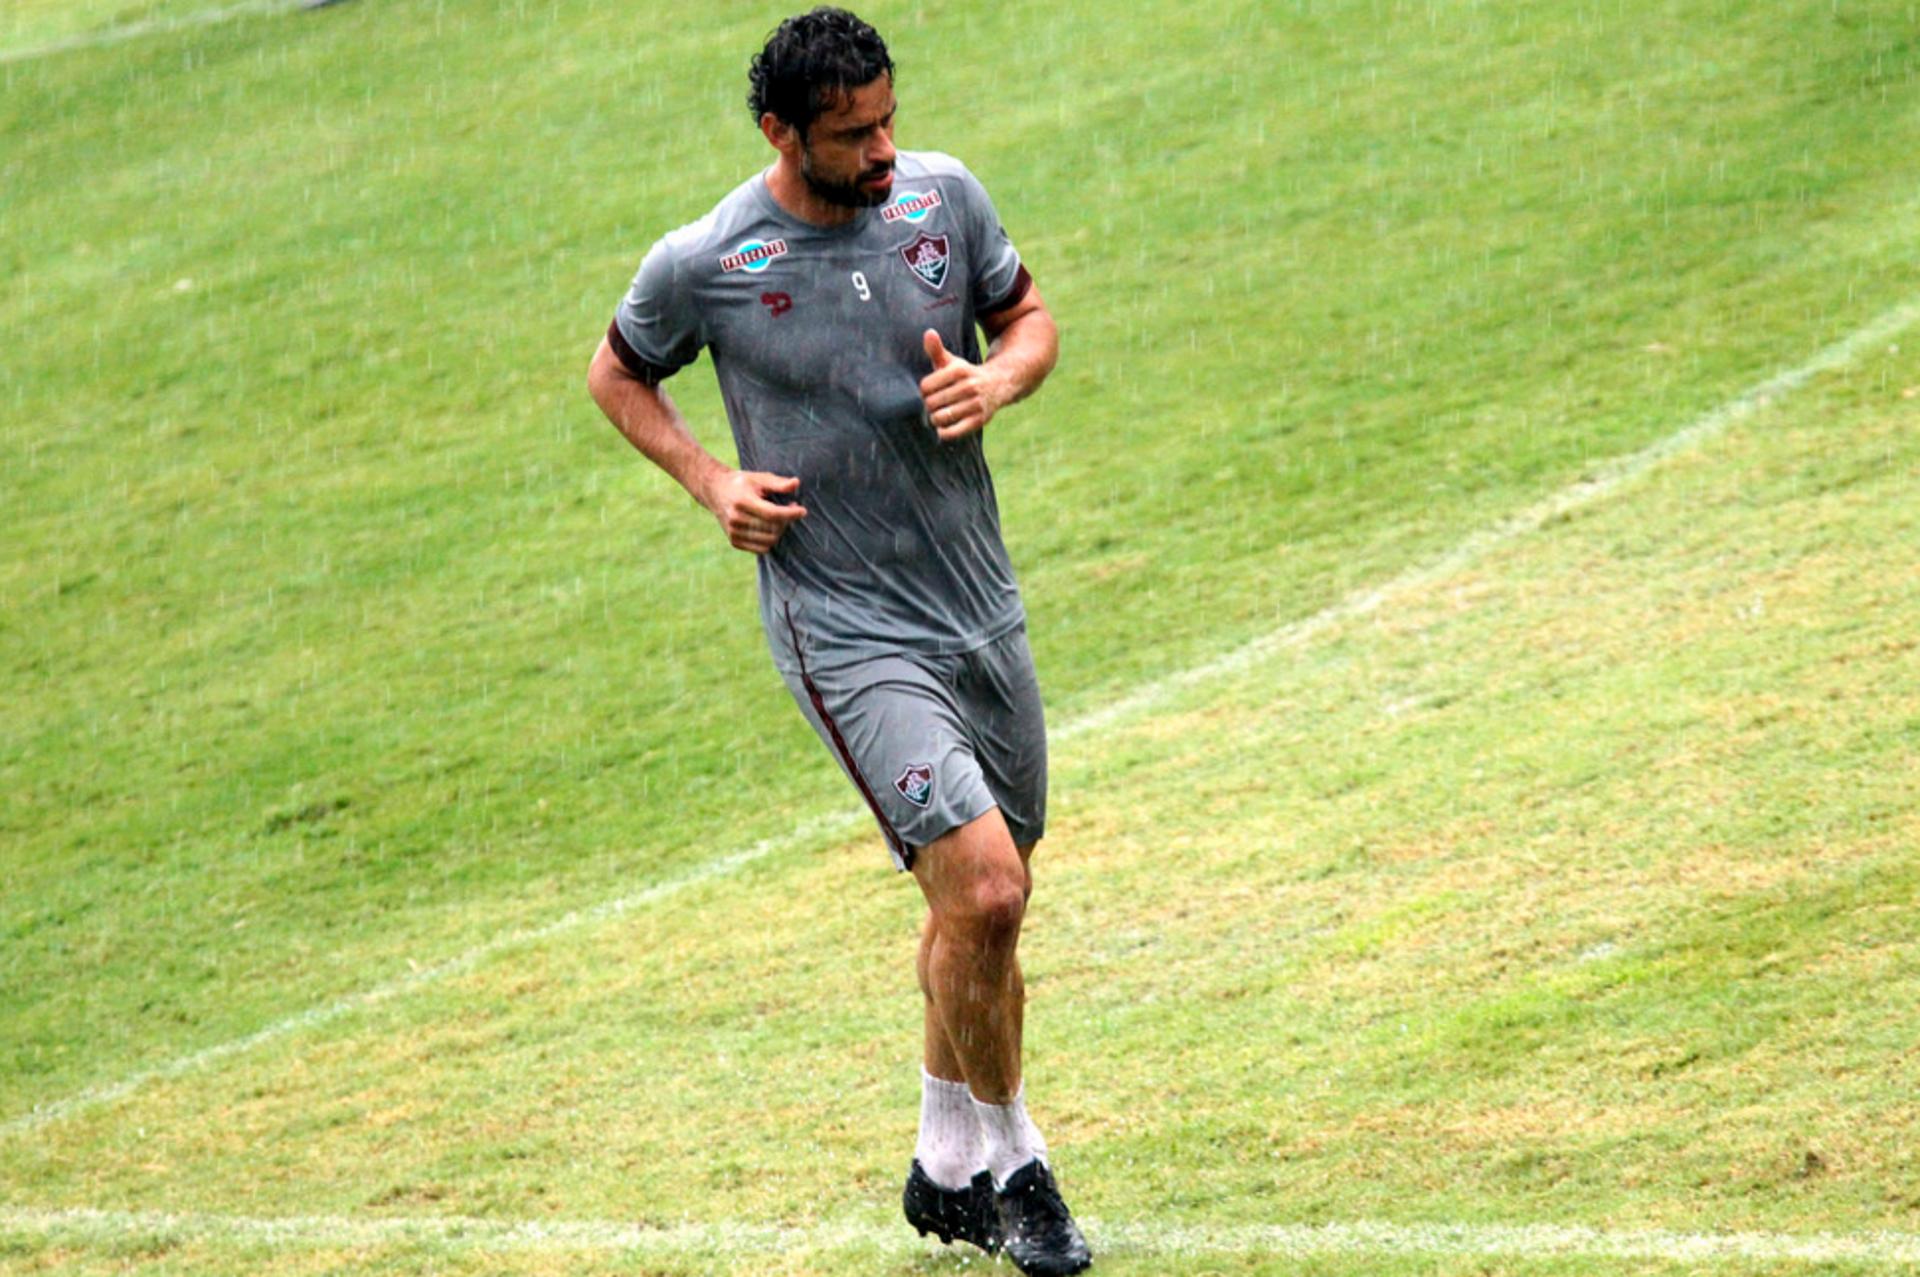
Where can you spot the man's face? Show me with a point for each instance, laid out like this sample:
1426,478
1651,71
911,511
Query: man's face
847,154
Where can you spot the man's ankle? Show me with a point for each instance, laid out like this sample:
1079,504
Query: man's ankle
1012,1139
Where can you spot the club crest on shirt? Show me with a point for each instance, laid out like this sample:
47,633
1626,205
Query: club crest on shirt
912,206
927,258
753,256
915,783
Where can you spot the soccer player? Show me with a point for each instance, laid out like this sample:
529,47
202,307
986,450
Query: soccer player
838,292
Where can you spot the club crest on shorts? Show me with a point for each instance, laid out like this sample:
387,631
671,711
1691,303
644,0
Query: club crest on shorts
927,258
915,783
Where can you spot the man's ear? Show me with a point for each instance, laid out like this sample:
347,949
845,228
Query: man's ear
780,135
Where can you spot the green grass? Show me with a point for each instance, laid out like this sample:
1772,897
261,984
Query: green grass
339,634
31,27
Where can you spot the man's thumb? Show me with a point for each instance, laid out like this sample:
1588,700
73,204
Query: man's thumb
936,351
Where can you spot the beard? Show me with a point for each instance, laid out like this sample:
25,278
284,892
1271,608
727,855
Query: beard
848,194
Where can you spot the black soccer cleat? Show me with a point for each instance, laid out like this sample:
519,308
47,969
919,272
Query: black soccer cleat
963,1214
1036,1228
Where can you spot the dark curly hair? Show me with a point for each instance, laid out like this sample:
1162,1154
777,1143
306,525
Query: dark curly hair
810,59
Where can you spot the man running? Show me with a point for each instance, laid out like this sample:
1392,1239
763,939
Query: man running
838,292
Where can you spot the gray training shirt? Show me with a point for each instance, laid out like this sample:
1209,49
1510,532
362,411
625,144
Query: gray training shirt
815,334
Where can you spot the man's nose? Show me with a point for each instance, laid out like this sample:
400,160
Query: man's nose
881,152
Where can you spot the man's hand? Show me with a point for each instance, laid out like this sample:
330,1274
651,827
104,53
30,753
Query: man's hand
961,398
738,498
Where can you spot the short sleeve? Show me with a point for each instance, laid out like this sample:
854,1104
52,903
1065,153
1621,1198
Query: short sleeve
655,332
999,280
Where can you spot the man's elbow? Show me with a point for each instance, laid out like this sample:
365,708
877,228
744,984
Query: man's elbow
1050,337
603,371
1028,325
1042,337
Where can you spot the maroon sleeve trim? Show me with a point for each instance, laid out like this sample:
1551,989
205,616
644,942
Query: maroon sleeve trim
1022,283
651,373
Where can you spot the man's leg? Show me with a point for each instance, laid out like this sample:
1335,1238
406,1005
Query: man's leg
938,1054
951,1148
949,1191
976,884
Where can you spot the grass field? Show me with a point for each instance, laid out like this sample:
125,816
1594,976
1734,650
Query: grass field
404,837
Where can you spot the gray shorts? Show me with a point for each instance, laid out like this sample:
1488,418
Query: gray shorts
932,742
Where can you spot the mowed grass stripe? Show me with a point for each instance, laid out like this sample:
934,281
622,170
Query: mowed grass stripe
1296,1241
802,835
1606,479
151,26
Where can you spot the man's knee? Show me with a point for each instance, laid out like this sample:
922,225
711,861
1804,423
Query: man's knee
987,910
995,907
976,883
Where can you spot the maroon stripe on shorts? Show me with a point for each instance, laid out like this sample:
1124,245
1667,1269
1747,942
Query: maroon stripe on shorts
846,755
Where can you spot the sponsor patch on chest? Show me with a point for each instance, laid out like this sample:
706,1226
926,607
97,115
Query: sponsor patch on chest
927,258
754,255
911,206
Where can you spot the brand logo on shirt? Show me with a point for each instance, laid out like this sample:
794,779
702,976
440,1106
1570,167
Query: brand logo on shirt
911,206
927,258
777,304
915,783
753,256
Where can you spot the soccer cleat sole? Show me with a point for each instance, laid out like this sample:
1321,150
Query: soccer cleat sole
929,1209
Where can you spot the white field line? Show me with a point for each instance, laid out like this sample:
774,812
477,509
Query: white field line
1294,1241
1605,479
152,26
836,826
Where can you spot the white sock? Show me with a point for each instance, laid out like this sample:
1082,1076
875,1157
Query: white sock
1012,1138
950,1150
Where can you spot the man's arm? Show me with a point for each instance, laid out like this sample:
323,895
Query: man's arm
643,413
1023,345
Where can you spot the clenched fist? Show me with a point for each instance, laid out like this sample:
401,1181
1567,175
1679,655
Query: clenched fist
739,500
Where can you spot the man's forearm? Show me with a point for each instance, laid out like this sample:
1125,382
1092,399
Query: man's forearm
646,417
1023,353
